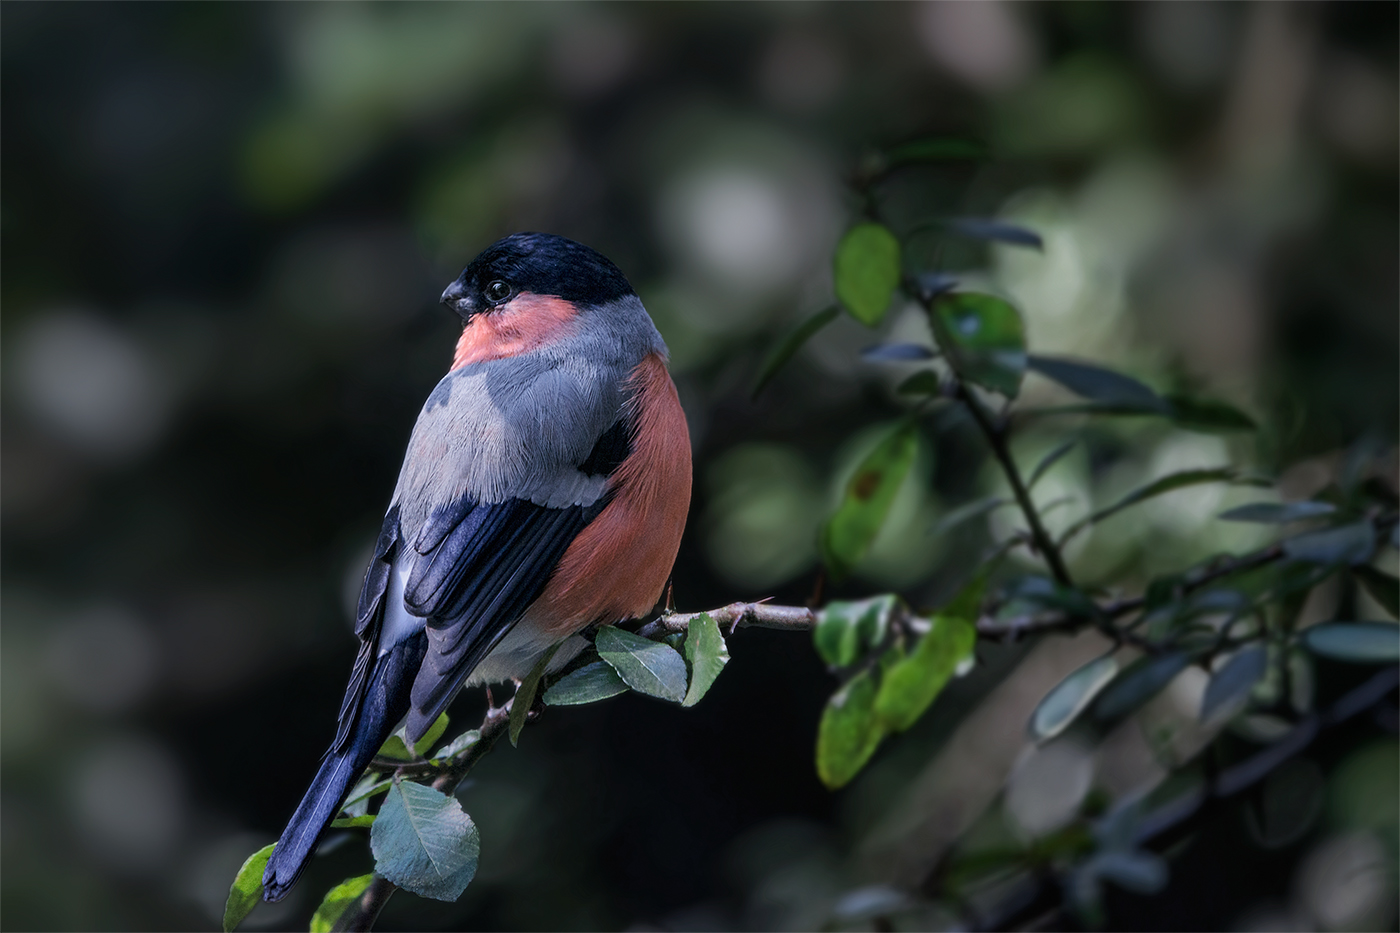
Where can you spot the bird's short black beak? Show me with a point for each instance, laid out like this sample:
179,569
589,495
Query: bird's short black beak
458,299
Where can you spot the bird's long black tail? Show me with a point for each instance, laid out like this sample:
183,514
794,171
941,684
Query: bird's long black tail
385,702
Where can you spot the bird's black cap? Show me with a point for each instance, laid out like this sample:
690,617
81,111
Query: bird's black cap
541,263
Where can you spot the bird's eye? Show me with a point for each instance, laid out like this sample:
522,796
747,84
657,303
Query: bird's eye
497,291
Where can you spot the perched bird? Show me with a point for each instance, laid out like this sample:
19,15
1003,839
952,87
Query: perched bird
545,489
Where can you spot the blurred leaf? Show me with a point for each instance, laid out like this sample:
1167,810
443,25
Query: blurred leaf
1140,872
707,653
1140,682
647,666
435,731
458,745
1383,588
897,353
1277,513
790,344
1049,460
425,842
912,684
246,890
1208,415
1232,683
982,229
525,695
867,270
849,731
1070,697
988,346
369,786
965,513
935,149
337,900
1157,487
395,748
588,684
921,383
1359,642
846,630
353,822
929,285
966,604
1098,384
1344,544
1287,805
848,534
1044,592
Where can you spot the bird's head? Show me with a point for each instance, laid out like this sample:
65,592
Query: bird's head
534,265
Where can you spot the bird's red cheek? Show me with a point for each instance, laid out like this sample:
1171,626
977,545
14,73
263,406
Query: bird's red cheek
526,323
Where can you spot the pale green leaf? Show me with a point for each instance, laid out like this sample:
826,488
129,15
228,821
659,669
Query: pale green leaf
707,653
246,890
337,901
424,842
646,666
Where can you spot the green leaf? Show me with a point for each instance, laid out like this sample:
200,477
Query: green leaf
867,269
897,353
924,382
998,231
337,900
589,684
848,534
1277,513
1098,384
707,653
1070,697
1232,683
647,666
1157,487
1344,544
790,344
849,731
1140,682
846,630
1359,642
458,745
394,747
353,822
1383,588
936,149
369,785
983,338
911,685
425,842
525,695
246,890
965,513
435,731
1046,593
1207,415
1049,460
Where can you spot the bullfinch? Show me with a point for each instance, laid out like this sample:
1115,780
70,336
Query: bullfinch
545,489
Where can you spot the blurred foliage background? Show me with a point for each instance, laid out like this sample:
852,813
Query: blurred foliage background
224,229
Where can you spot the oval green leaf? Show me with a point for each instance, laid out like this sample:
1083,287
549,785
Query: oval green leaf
848,534
1232,683
911,685
246,890
589,684
646,666
1383,588
1345,544
1207,415
845,629
337,900
983,338
849,731
1098,384
707,653
1070,697
867,269
1358,642
424,842
1140,682
1277,513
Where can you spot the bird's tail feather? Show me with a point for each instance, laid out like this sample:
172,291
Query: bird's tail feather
385,703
